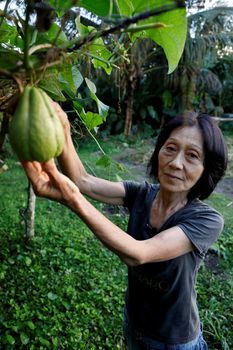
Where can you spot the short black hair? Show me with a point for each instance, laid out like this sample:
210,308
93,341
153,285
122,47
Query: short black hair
215,151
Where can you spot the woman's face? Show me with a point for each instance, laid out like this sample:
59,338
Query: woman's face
181,160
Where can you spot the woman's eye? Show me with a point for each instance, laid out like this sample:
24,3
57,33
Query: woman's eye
170,148
193,155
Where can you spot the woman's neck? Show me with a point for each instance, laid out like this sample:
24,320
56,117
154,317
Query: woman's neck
164,205
171,200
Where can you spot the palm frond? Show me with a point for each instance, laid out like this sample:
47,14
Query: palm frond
209,82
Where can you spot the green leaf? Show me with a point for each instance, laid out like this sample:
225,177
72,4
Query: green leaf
28,261
70,80
105,161
126,7
102,108
8,33
31,325
91,120
52,296
11,261
78,106
101,53
91,86
142,5
172,37
81,28
10,339
13,59
55,342
44,342
100,8
51,85
62,6
54,33
77,77
118,178
24,338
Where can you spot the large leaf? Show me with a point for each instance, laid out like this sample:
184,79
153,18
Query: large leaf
172,37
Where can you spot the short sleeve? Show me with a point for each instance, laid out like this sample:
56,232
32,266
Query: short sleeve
203,228
131,191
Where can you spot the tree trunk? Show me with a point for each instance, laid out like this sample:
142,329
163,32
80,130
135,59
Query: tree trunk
29,213
4,129
129,113
188,90
131,87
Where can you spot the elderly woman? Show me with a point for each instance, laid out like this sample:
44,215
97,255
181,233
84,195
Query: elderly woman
169,232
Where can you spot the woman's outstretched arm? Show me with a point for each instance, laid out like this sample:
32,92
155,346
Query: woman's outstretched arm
48,182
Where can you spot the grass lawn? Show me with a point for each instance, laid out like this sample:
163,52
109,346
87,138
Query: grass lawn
64,290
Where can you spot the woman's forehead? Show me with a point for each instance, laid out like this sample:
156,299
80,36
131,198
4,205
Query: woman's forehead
189,134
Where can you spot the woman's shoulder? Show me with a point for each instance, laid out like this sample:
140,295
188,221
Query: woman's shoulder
197,204
140,187
200,210
136,191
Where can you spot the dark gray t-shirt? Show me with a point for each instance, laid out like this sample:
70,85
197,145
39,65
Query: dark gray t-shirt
161,297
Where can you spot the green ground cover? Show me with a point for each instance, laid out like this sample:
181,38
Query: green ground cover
64,290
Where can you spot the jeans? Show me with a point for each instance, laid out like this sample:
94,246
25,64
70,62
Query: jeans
137,341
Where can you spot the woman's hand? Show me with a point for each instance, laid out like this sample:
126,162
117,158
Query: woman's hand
48,182
62,116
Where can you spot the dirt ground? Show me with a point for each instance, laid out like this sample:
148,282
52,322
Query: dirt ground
225,186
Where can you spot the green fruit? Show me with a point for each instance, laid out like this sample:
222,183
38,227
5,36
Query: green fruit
35,130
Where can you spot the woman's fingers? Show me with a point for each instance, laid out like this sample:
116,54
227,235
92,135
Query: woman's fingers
31,168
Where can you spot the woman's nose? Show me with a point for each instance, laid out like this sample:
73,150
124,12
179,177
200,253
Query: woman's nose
178,161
